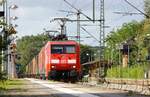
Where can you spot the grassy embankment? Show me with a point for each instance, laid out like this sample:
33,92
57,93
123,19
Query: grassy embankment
132,72
11,84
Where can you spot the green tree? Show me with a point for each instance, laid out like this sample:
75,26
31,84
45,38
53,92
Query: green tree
127,33
87,53
147,7
28,47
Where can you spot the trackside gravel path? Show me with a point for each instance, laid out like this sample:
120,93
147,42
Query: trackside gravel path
40,88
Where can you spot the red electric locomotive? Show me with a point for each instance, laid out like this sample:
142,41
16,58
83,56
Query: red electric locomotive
59,60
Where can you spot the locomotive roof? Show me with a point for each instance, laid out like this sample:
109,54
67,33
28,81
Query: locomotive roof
62,42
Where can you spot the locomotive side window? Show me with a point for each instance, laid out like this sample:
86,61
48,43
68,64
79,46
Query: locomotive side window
70,49
57,49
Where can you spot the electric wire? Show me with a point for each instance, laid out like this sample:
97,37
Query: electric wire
89,34
136,8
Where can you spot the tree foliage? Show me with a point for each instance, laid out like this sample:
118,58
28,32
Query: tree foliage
147,7
130,34
86,53
137,36
127,31
28,47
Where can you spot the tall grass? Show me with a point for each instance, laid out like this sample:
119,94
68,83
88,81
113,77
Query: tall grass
133,72
10,84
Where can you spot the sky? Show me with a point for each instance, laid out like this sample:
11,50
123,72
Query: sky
35,15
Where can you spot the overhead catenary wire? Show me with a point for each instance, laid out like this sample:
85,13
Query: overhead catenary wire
78,10
89,33
137,9
124,13
115,20
127,13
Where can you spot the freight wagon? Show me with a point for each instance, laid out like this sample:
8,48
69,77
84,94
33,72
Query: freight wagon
57,60
32,69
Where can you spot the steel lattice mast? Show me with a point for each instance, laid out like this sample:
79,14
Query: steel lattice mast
102,30
101,39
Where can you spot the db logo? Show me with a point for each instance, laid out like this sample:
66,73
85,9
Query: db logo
63,61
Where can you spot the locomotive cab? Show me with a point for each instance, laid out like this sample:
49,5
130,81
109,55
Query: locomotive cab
64,60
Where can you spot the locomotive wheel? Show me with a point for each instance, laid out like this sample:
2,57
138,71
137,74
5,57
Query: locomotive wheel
52,75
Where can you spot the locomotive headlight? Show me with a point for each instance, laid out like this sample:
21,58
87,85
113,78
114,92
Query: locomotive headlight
73,66
53,66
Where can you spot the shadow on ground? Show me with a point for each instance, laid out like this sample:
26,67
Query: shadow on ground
82,95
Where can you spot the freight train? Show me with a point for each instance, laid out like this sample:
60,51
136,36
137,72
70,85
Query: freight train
56,60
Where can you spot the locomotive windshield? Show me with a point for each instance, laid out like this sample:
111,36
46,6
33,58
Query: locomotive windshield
62,49
57,49
69,49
